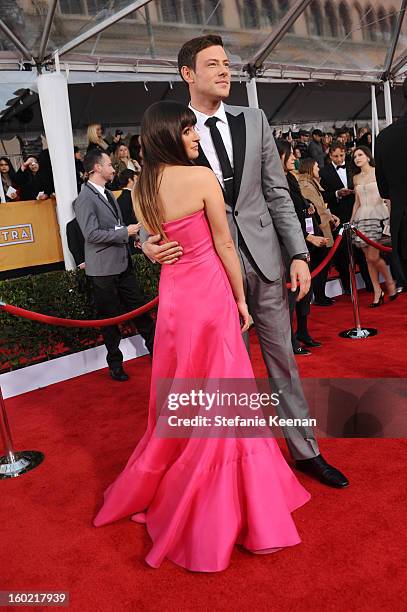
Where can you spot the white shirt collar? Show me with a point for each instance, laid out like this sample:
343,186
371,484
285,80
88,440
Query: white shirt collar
98,187
201,117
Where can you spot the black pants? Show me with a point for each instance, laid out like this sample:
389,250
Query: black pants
302,310
319,282
341,261
111,294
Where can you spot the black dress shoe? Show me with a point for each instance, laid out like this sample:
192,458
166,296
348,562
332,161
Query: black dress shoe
318,467
309,342
300,350
118,374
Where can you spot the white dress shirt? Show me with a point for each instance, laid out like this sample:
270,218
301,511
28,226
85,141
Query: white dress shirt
206,140
342,175
100,189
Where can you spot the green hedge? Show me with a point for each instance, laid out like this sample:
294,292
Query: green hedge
62,294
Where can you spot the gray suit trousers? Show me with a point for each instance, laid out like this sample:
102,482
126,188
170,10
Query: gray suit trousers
268,306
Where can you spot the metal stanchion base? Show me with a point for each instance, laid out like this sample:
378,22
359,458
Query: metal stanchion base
358,333
24,462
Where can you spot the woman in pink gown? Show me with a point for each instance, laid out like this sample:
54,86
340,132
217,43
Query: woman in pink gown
198,496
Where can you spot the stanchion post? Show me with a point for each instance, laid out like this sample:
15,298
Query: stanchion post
13,463
356,332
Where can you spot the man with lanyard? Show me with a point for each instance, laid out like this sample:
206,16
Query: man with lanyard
107,258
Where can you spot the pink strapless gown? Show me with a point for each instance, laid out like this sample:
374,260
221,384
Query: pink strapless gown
200,497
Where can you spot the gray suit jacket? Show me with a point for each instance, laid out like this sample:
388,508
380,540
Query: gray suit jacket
106,248
263,210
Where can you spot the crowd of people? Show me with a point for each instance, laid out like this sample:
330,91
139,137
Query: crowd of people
33,179
331,178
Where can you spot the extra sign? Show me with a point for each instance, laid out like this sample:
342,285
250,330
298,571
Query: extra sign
16,234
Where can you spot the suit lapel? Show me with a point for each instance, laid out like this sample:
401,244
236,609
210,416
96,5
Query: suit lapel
336,177
105,202
237,125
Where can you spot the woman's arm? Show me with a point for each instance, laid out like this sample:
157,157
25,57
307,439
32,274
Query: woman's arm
225,248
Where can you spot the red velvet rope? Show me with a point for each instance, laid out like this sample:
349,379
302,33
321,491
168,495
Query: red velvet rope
41,318
327,259
381,247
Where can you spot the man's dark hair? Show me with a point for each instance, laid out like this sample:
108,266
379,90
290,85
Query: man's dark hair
189,51
337,145
317,133
125,176
94,156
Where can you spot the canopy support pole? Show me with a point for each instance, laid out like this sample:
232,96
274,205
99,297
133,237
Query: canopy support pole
251,87
56,117
387,102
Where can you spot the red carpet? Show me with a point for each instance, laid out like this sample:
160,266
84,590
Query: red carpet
353,553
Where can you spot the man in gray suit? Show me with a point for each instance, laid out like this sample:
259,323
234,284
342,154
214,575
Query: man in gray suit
107,258
238,145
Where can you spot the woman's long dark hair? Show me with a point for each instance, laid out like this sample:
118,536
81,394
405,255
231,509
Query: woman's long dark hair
11,171
161,144
284,149
354,168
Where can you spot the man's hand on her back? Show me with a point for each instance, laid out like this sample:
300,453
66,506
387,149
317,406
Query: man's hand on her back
167,253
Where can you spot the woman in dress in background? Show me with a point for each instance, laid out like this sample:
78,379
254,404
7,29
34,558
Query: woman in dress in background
301,307
308,180
370,215
198,496
122,161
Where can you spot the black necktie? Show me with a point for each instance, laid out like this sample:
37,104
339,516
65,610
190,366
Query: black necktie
111,201
223,157
339,167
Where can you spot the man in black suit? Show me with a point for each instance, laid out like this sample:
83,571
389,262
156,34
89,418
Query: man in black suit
127,180
337,183
392,182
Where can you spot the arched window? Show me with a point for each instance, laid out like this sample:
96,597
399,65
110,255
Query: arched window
332,21
214,12
371,23
71,7
361,25
392,19
95,6
268,15
251,15
314,20
383,23
283,6
345,21
169,11
192,11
